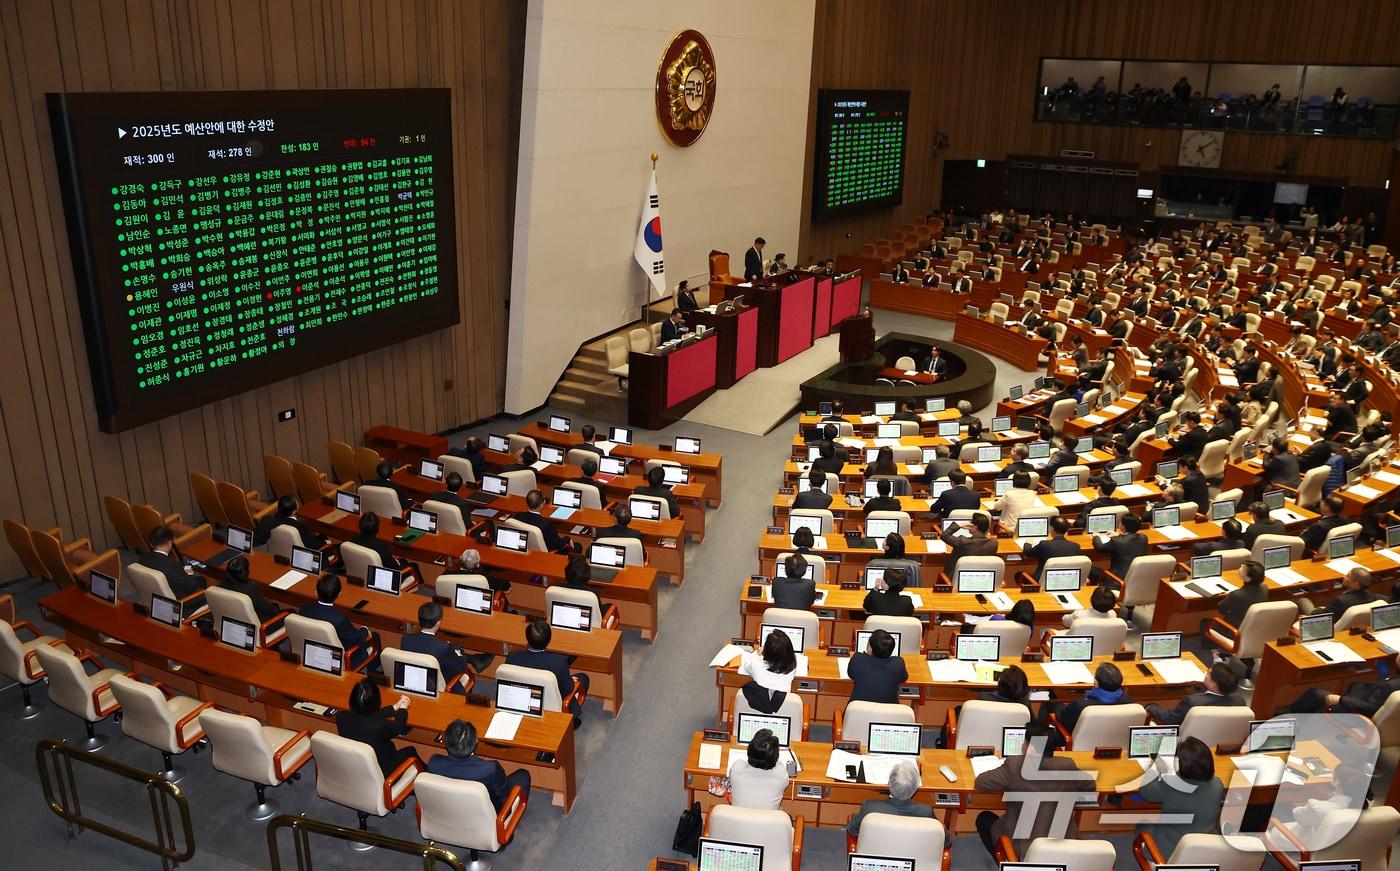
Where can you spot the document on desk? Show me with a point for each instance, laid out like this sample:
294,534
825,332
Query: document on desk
1177,670
1064,673
1334,651
982,764
710,756
1285,515
562,513
1073,497
1285,577
801,665
727,654
886,443
1389,637
836,765
952,671
1132,491
999,600
819,542
843,665
1361,491
484,512
1068,601
1343,565
503,726
288,580
605,446
1094,419
539,465
918,600
1177,533
936,545
917,470
868,419
878,768
1185,591
986,467
1387,476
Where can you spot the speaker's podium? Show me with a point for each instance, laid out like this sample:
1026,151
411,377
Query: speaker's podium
666,383
857,338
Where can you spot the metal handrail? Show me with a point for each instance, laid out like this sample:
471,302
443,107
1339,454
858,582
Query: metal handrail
55,760
303,827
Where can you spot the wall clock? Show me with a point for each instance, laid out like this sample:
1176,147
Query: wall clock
1201,148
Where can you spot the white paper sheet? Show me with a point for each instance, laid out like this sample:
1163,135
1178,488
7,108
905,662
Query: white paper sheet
288,580
836,764
710,756
727,654
1177,670
1361,491
1073,497
1392,555
1285,577
605,446
952,671
1062,673
1132,491
982,764
1093,418
1178,533
1335,651
1388,477
1344,565
987,468
801,665
935,545
999,600
843,665
503,726
1389,637
918,600
1069,601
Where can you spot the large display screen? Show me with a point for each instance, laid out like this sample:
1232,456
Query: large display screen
861,137
227,239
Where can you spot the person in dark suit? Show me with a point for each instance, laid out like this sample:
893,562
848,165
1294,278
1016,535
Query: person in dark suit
1038,770
1356,590
1280,465
1062,456
451,487
350,635
827,460
883,501
1055,545
888,597
673,327
369,723
553,541
1261,523
369,538
462,763
1220,685
1251,592
899,275
753,260
384,473
792,589
1105,499
164,558
931,279
1247,369
959,496
1191,442
1231,538
1360,698
935,365
1331,509
656,486
962,284
589,468
815,496
1019,454
1124,547
1340,417
1107,690
471,452
621,528
968,540
685,299
1193,484
906,412
942,465
537,654
875,672
452,660
236,579
286,515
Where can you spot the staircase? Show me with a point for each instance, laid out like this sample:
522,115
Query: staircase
587,388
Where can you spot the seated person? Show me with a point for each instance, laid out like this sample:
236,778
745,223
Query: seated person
578,575
286,515
888,597
538,634
553,541
589,468
1331,511
368,537
1125,547
452,660
958,497
941,466
815,496
1356,590
1048,548
350,635
1261,523
1102,602
1038,770
1251,592
470,564
1220,685
164,558
883,501
1191,796
471,451
236,579
452,486
1362,697
656,486
757,780
827,460
903,784
791,589
588,435
525,459
876,673
364,720
1017,501
770,671
462,763
906,412
1013,687
1107,690
383,474
1231,538
622,525
1105,499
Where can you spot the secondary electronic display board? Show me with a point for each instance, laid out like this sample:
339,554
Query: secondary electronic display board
861,137
224,240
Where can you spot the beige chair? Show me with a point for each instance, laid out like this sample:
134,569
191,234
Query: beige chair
1015,637
814,562
980,564
148,582
1310,487
392,656
159,719
534,538
1266,541
639,340
546,680
978,720
779,835
807,621
1101,726
590,497
601,616
1108,633
1081,854
615,347
358,559
828,520
342,458
206,496
1143,579
923,840
1357,615
303,629
1054,563
282,539
852,723
68,563
1263,622
968,452
367,462
663,508
20,663
1342,834
1214,725
1213,456
460,465
519,442
263,755
1061,411
906,363
1233,558
909,629
460,813
348,774
1233,853
242,507
379,500
86,696
792,707
519,482
238,606
1338,532
905,522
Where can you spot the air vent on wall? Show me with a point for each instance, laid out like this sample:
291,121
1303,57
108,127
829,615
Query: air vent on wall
1071,152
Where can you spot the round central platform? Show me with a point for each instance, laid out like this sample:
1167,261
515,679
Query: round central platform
971,376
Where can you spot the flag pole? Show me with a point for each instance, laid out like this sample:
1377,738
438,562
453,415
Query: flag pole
646,282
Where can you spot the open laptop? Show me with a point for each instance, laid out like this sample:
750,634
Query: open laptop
165,610
520,698
473,599
620,434
1222,509
1033,527
566,615
867,862
384,580
493,487
1013,741
430,469
304,559
1101,523
103,586
559,423
885,408
508,538
1317,627
238,634
687,445
976,581
795,634
1032,866
1272,736
423,521
750,724
879,527
675,475
896,739
1062,582
978,648
605,560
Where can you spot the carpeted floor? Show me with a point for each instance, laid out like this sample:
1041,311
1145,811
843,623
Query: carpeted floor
629,777
766,397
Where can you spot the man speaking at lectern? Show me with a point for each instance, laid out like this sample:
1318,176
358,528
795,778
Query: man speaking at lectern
753,261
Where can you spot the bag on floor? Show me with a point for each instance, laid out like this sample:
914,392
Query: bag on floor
688,828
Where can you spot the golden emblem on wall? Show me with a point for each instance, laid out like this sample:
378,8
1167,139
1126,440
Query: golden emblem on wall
685,88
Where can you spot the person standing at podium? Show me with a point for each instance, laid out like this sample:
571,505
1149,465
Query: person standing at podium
685,299
753,260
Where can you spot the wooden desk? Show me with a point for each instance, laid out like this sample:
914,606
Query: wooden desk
598,652
261,685
1018,349
405,445
666,383
633,590
705,469
1106,418
1285,672
736,335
